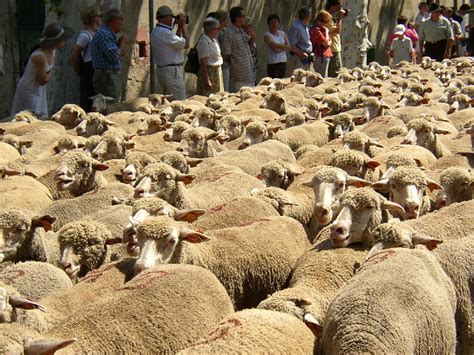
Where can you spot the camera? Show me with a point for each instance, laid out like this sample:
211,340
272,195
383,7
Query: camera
176,18
311,57
345,11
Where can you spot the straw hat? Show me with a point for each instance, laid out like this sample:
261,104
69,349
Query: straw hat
53,34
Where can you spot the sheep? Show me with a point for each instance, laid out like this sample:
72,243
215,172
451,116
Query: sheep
11,302
99,103
176,130
397,131
293,119
205,118
362,210
22,239
369,91
342,124
373,108
276,102
148,303
407,186
17,142
257,132
256,331
334,103
70,143
93,124
411,99
426,62
279,174
113,145
217,254
460,118
151,124
17,339
135,162
313,110
35,280
316,133
179,161
449,93
8,152
197,143
460,102
83,246
163,181
395,314
425,134
361,142
25,116
70,115
355,163
78,173
457,185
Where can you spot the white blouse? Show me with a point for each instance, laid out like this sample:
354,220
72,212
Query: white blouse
209,48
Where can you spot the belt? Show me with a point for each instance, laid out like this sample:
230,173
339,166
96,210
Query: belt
170,65
107,71
443,40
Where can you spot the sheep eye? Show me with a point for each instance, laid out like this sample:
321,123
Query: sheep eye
370,207
167,177
84,165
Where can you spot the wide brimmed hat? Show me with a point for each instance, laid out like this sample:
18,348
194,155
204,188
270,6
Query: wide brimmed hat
164,11
53,34
399,30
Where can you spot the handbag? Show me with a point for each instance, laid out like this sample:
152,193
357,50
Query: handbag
192,63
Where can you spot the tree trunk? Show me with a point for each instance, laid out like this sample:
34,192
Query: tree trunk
354,36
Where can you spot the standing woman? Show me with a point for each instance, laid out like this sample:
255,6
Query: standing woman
30,92
277,46
81,59
321,41
210,78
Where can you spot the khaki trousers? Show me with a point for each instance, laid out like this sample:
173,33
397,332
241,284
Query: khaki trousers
107,83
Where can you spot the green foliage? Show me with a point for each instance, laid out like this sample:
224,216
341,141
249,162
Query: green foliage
54,6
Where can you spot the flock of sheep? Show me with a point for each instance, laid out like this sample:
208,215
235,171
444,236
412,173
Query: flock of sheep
302,215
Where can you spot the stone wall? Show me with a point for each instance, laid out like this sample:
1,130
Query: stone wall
63,88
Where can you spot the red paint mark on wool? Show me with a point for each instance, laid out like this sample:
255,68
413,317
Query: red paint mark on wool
248,223
92,276
145,279
222,331
12,276
216,177
379,257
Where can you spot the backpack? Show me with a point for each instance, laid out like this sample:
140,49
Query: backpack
192,64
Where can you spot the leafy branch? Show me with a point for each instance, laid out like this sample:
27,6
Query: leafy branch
54,6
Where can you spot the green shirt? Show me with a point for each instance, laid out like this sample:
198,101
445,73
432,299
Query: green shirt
434,31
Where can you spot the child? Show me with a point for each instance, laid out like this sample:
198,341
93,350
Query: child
401,47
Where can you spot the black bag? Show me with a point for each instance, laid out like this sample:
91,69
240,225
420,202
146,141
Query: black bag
192,64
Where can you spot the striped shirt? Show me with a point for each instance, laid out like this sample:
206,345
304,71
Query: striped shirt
105,51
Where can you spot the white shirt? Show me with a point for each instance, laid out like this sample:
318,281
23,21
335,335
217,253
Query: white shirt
402,50
272,56
209,48
167,47
84,41
420,18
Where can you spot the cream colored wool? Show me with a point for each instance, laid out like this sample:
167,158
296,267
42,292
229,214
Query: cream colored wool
356,140
231,126
239,211
69,210
408,175
94,286
24,192
69,143
276,102
197,144
400,159
14,218
140,160
114,146
25,116
294,119
96,124
70,115
334,103
306,149
397,131
8,152
316,133
279,174
275,197
353,162
251,159
396,298
269,268
256,331
170,307
153,205
35,280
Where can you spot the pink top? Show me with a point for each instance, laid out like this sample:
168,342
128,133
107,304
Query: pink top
410,33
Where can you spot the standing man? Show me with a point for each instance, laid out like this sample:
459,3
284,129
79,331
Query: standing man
423,14
300,42
334,7
236,51
168,52
461,18
105,53
436,36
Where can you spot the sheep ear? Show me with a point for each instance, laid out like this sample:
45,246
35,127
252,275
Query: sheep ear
274,129
357,182
441,131
100,166
428,89
259,176
189,216
43,346
186,178
372,164
17,301
428,241
358,120
380,185
375,249
192,236
432,185
26,144
308,183
284,201
425,100
193,162
133,221
129,145
45,221
2,131
375,143
313,324
29,173
108,98
113,240
393,207
110,123
188,110
10,172
295,169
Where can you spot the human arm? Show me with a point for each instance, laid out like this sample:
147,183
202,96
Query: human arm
226,47
76,53
181,31
276,47
122,42
450,41
42,76
293,37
